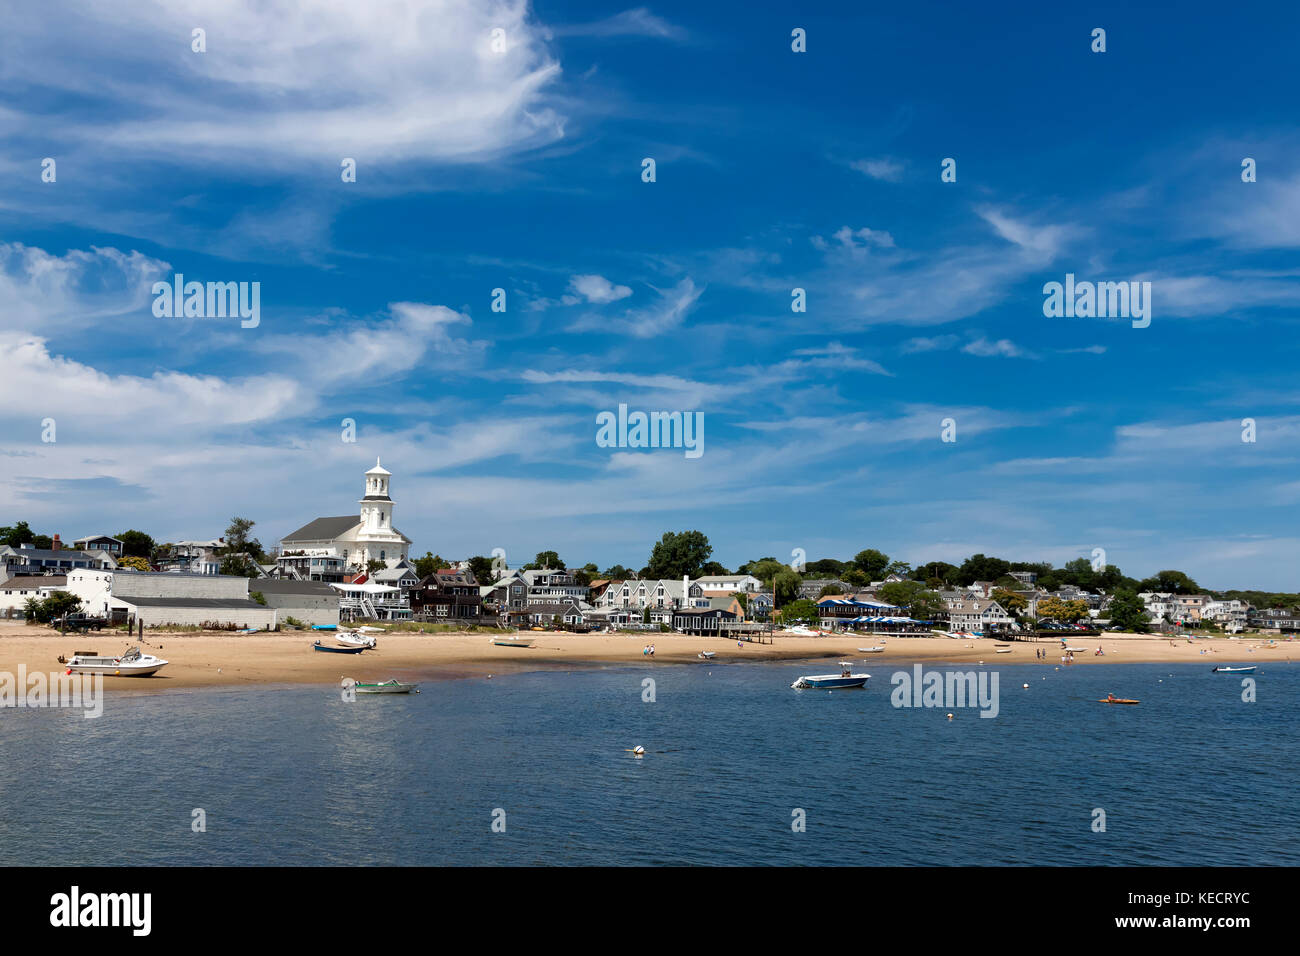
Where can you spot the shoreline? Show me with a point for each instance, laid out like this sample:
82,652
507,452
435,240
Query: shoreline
219,659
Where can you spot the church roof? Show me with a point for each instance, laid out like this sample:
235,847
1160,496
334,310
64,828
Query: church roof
324,529
378,469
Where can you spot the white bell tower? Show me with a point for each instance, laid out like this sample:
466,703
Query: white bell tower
376,506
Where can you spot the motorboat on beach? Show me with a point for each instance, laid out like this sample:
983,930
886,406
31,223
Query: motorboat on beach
707,655
318,646
130,664
878,649
354,639
845,678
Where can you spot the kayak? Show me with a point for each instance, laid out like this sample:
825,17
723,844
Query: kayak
1118,700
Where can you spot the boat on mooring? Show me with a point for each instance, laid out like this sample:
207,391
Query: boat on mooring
845,678
337,650
130,664
385,687
1235,670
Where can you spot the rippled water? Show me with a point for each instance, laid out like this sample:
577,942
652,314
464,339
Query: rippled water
298,776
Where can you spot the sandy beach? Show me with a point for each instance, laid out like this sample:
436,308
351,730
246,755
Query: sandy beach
223,659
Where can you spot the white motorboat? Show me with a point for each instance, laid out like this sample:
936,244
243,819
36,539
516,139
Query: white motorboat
707,655
130,664
878,649
354,639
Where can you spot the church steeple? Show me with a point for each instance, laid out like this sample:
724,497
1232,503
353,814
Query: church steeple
376,506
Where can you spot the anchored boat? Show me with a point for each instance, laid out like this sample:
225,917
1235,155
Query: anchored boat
1235,670
845,678
130,664
385,687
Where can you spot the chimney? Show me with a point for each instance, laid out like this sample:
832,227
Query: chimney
686,590
57,545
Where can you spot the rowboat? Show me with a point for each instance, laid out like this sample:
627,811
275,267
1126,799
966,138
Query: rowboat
130,664
1001,645
337,650
707,655
502,642
845,678
879,649
1002,650
324,627
385,687
1117,700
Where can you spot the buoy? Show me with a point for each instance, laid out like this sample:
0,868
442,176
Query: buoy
1026,686
950,716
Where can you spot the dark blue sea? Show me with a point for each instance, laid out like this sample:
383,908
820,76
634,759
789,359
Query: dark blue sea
1192,775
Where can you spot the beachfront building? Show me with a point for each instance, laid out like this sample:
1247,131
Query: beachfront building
1275,619
702,621
355,539
16,592
978,615
315,565
1229,614
447,595
170,598
309,602
372,602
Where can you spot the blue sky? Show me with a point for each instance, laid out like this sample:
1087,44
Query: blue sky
775,170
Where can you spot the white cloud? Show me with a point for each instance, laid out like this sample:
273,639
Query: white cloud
663,316
884,169
1004,348
635,22
304,80
598,289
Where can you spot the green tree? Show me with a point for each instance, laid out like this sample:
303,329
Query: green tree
257,596
133,563
616,573
1015,604
681,553
1058,610
801,610
1174,582
825,567
426,565
872,563
481,568
766,569
981,568
1128,612
548,559
785,586
51,609
239,541
16,535
43,541
901,593
713,567
927,606
239,565
940,570
374,565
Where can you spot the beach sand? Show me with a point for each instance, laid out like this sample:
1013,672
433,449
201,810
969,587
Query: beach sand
232,660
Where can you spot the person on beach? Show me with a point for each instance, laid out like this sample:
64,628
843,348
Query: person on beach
652,650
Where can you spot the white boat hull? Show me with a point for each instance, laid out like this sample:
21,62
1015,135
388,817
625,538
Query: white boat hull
119,670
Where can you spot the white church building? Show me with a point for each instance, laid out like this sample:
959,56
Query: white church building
350,541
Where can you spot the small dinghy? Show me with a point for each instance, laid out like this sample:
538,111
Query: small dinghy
879,649
318,646
502,642
1002,650
385,687
324,627
707,655
1235,670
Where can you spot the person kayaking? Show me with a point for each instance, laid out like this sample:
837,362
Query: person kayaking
1110,697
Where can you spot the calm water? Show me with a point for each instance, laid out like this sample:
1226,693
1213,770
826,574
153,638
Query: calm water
298,776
